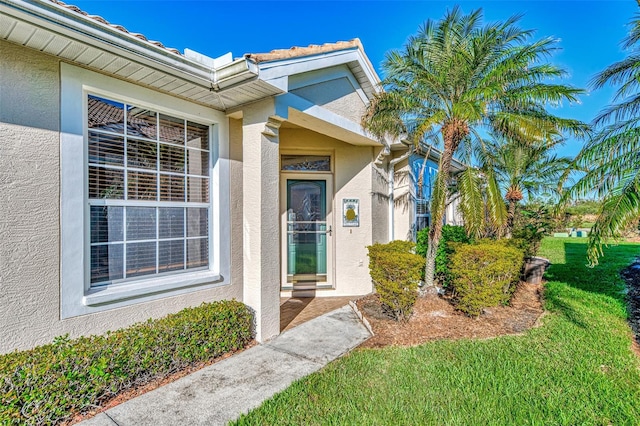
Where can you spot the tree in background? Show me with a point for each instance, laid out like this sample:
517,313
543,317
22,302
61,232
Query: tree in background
611,158
457,76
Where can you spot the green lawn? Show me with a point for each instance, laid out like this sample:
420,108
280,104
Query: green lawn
577,368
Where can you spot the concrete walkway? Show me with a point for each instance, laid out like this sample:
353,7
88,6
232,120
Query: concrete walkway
223,391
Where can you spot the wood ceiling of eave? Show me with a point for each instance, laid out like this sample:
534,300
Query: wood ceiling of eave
93,58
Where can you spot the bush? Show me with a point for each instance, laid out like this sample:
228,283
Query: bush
395,271
534,222
450,234
484,274
51,383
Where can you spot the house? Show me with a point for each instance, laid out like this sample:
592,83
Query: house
137,180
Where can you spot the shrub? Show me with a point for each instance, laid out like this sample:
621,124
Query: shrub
484,274
395,271
534,222
51,383
450,234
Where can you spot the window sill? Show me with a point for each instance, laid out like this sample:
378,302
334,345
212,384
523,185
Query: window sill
115,293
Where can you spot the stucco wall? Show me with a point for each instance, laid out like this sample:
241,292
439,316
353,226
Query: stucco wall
379,202
338,96
403,204
352,179
30,214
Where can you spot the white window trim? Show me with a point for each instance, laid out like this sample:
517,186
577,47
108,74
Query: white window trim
77,296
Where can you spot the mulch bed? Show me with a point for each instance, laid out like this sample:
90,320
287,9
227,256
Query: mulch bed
434,317
632,276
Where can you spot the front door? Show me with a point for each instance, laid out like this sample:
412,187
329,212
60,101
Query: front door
307,234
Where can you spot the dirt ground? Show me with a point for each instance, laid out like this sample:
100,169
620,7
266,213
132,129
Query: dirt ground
435,318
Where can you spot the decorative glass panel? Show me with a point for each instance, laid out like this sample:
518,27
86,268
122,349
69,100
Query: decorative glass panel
141,122
105,114
106,183
197,135
141,186
308,163
171,129
107,224
141,223
106,262
106,149
170,255
141,259
197,253
142,154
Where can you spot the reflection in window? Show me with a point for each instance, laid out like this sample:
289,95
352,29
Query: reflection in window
148,186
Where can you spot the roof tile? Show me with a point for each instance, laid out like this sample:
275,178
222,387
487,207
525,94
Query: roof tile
299,51
101,20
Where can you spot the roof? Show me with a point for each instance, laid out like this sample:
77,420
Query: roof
100,19
298,51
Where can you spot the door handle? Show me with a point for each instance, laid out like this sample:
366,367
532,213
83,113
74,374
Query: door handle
328,231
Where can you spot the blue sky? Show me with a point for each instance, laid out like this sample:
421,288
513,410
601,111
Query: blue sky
589,31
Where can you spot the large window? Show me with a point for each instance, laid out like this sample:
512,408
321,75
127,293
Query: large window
144,195
148,191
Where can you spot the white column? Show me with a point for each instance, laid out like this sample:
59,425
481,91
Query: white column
261,224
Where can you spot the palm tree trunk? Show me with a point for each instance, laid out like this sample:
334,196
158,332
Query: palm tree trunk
511,216
439,198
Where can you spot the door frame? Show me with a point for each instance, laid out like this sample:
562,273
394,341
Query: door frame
285,285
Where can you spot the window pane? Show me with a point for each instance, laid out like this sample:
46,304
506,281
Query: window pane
171,188
105,114
141,186
106,224
106,183
198,162
141,122
141,223
106,149
171,255
141,259
106,263
141,154
171,158
197,222
197,253
171,129
171,222
197,135
198,190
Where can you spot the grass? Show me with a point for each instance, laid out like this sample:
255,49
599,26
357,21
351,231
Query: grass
578,368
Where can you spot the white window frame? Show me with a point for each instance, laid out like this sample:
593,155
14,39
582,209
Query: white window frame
77,295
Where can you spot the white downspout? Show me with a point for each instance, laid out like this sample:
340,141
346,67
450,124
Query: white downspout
391,171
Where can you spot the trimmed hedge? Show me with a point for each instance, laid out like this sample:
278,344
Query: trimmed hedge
396,272
51,383
484,274
450,234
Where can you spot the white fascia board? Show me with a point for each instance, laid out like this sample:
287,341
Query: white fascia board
289,100
286,67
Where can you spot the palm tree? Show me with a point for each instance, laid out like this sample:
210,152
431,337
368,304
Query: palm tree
523,169
611,158
457,76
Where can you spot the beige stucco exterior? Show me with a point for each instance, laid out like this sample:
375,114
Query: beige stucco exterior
30,215
254,120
